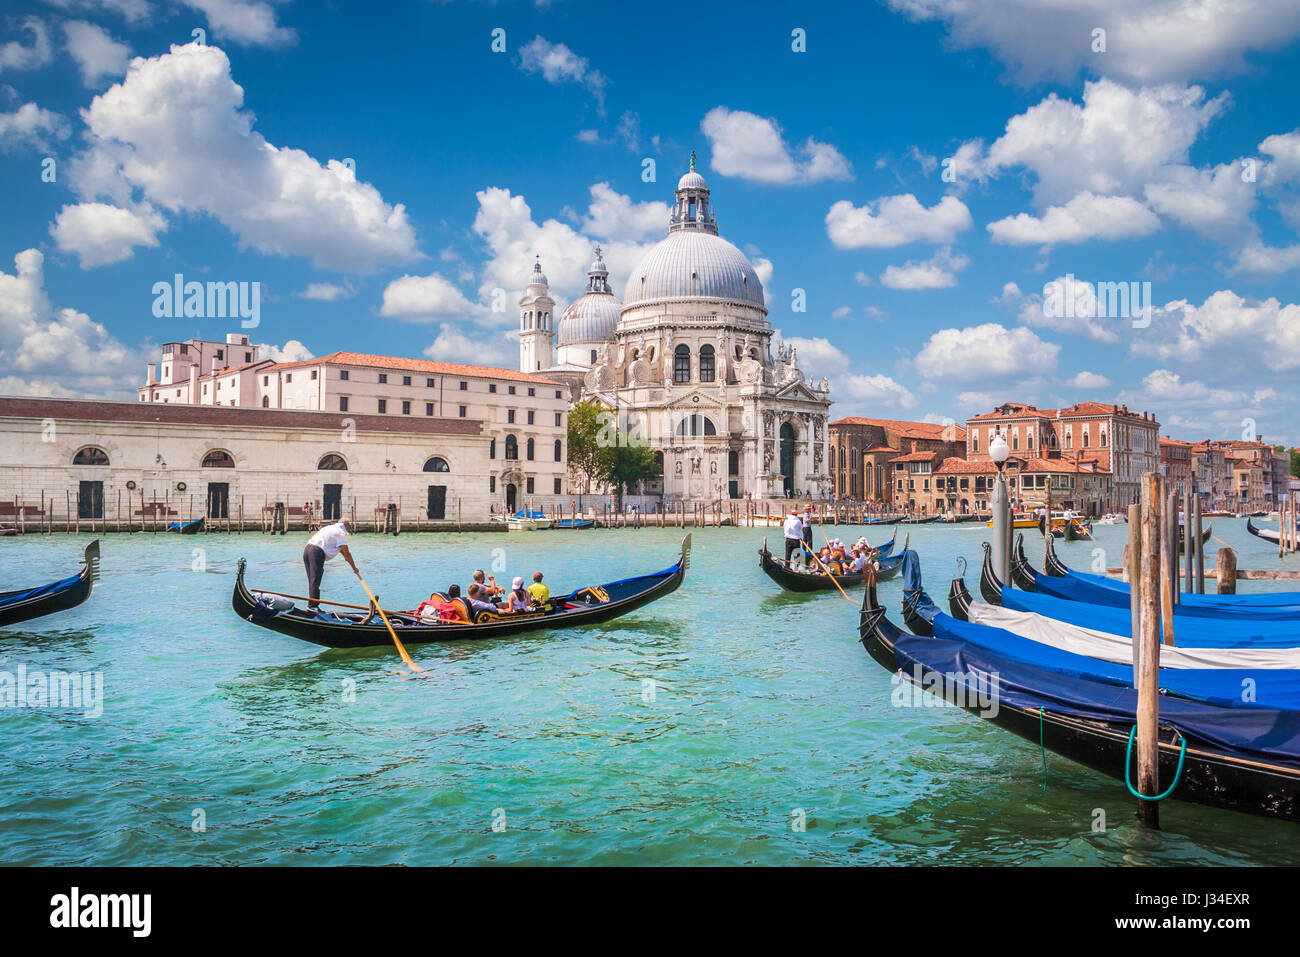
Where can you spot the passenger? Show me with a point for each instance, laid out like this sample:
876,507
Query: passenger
449,611
517,599
489,587
476,601
541,593
859,561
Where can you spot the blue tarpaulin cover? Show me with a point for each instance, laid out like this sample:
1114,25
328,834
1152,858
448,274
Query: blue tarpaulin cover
1248,732
1190,631
31,593
1080,586
1225,687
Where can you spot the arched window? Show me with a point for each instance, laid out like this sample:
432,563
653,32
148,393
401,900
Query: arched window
1069,440
492,449
218,459
332,463
531,446
90,455
437,464
706,363
266,401
559,450
696,425
512,447
733,462
1103,438
682,364
1085,440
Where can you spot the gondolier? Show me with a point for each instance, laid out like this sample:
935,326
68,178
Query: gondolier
331,540
794,537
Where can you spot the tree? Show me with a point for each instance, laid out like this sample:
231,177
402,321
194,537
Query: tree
624,465
605,451
584,433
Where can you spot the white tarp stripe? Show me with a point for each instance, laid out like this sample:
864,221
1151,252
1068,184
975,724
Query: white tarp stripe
1118,648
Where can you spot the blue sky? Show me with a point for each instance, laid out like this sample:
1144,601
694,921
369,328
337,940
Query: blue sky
1171,156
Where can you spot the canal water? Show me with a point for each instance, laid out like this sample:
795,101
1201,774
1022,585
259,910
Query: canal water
728,723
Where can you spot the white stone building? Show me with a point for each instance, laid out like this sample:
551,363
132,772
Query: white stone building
686,361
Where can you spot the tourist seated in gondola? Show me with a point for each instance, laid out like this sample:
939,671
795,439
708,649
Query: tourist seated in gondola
450,610
488,586
859,563
478,603
517,599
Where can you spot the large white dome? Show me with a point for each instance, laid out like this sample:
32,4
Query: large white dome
692,264
589,318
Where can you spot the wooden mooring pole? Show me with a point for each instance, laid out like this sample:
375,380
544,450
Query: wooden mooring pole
1148,708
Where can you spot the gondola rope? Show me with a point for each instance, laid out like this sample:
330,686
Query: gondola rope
1042,748
1128,759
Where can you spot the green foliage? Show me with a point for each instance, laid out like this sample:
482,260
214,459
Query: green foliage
604,453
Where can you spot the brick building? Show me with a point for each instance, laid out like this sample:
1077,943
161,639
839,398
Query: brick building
862,451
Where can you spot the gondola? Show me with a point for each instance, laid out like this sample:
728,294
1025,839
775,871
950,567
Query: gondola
1268,534
589,605
192,527
1078,531
1205,537
25,604
791,580
1242,759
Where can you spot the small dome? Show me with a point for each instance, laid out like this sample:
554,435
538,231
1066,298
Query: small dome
589,318
692,180
694,265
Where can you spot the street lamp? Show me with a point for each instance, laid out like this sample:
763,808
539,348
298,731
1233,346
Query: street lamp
999,452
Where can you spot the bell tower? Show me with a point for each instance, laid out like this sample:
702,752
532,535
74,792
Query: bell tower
536,323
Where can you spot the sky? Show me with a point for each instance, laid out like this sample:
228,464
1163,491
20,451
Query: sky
932,191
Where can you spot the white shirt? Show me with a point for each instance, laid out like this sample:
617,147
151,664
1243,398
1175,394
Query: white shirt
794,527
330,539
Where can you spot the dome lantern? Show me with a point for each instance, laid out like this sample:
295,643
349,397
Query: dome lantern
692,210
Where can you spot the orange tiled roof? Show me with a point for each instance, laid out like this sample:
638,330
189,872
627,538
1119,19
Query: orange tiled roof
917,457
911,430
416,365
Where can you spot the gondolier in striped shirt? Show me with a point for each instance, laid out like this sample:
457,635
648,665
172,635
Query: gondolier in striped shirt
331,540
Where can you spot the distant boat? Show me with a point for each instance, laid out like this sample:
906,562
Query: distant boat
528,521
192,527
574,523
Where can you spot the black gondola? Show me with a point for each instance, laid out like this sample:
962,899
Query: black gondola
590,605
1098,733
25,604
1265,533
990,584
1022,575
1205,536
791,580
192,527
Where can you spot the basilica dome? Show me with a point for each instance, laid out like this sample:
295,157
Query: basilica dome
693,262
593,315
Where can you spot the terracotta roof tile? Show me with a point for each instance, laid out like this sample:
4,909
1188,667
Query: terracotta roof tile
416,365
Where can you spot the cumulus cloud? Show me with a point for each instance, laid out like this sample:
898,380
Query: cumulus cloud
32,125
246,22
1225,336
558,65
1154,41
97,54
1083,218
1088,380
937,272
291,351
614,217
1265,260
986,352
158,133
454,345
896,221
752,147
854,391
326,291
17,55
1070,305
427,299
40,344
100,234
132,11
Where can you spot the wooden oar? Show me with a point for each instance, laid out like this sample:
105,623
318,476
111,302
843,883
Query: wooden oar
318,601
401,649
817,558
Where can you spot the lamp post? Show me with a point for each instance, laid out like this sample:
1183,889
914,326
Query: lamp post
999,452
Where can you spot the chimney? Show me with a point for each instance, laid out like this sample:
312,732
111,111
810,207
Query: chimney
914,446
194,384
153,374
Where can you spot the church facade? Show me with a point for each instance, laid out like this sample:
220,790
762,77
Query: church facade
686,363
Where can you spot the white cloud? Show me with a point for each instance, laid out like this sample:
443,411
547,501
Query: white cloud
16,55
1226,336
291,351
1083,218
895,221
33,125
613,216
133,11
100,234
1152,41
1285,150
1070,305
1087,380
983,353
40,344
426,299
1215,202
558,64
1260,259
246,22
819,357
749,146
937,272
453,345
159,130
863,278
96,53
843,312
326,292
1192,405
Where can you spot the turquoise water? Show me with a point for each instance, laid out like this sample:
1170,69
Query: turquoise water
765,712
